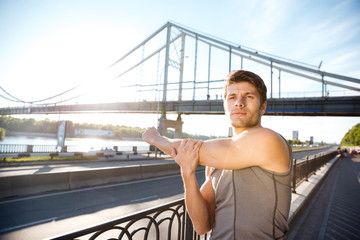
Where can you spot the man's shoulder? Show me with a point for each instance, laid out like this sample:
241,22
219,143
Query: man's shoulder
277,151
263,137
265,134
272,138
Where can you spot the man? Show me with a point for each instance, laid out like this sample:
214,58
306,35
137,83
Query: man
247,192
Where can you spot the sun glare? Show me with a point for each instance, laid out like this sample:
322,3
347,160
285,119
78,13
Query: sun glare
68,57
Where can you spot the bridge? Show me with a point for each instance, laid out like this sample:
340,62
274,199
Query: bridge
179,70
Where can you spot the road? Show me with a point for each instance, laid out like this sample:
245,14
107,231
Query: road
304,154
47,215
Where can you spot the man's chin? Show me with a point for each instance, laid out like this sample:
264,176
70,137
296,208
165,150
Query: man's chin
242,124
238,124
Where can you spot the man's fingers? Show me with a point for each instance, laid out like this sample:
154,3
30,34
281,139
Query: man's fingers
173,153
189,145
183,144
197,145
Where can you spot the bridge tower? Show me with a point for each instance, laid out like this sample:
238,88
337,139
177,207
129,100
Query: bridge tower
163,122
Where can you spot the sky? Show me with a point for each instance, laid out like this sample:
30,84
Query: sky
49,46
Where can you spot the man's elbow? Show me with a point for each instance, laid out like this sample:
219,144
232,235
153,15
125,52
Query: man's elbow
201,230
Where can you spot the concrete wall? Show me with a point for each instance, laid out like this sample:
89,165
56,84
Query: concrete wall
62,181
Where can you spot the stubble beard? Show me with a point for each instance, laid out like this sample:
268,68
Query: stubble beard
251,122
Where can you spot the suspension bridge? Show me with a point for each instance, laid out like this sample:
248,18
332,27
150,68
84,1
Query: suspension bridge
178,70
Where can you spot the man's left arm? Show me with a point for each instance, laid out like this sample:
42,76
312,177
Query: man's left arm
255,147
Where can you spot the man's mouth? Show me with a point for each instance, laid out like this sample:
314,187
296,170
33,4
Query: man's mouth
238,112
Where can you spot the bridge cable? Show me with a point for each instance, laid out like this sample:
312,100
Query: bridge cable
31,102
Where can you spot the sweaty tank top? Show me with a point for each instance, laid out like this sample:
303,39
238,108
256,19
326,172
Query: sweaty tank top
251,203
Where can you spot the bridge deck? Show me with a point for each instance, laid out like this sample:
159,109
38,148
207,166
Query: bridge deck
329,106
334,211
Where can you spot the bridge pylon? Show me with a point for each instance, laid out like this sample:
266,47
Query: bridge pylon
164,124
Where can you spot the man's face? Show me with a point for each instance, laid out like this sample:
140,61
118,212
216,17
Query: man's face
242,105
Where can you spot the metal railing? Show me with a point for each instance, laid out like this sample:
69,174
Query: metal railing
23,148
171,221
13,148
303,169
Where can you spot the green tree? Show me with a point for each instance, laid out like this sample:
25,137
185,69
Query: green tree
352,137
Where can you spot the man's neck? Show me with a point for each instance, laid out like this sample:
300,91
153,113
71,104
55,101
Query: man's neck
238,131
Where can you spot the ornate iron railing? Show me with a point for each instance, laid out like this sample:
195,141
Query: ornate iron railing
169,221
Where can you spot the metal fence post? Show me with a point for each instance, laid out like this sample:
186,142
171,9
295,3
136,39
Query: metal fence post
30,148
307,168
189,230
294,177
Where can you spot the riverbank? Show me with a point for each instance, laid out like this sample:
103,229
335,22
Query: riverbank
12,160
30,134
54,135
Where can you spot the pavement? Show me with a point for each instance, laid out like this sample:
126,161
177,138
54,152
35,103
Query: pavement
38,167
333,210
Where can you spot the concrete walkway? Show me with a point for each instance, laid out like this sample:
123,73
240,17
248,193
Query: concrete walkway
334,210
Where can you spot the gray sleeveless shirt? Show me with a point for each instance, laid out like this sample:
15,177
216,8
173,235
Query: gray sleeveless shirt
251,203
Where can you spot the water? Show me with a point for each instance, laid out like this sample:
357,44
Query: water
83,144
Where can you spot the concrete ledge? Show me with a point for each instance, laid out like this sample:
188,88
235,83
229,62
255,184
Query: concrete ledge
159,170
33,184
87,178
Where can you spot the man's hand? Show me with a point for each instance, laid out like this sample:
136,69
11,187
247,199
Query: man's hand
150,135
187,156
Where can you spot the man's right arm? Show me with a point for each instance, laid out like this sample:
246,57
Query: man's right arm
200,203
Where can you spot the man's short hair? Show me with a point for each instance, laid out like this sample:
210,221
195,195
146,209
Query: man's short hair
247,76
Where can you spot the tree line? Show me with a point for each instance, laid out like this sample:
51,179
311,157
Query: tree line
352,137
47,126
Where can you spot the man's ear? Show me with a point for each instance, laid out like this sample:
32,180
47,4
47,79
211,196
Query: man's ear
263,108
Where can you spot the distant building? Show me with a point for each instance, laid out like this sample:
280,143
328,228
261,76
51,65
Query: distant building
231,133
94,133
295,136
311,140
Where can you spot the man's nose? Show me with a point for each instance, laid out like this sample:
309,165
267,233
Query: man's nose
240,102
